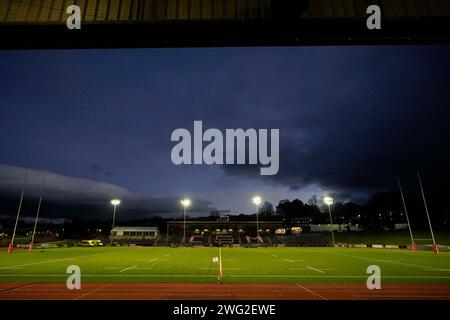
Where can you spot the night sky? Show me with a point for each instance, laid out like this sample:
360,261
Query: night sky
97,124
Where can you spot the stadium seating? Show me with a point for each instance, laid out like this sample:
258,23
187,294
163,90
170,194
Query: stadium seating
198,240
301,240
224,239
248,240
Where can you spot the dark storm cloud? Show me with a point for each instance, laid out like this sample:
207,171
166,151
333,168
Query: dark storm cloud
351,120
100,171
65,196
382,113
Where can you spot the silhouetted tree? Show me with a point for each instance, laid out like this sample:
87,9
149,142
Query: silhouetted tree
266,209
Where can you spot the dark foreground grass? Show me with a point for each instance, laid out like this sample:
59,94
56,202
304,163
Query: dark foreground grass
240,265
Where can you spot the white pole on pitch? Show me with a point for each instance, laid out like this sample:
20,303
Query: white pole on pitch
185,202
428,214
11,245
257,226
220,262
256,201
184,226
37,216
407,217
331,225
115,203
329,201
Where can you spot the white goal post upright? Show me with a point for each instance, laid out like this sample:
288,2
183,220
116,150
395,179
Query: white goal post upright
30,248
220,263
413,244
435,247
11,245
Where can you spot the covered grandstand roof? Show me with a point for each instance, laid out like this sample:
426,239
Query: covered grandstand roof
163,23
136,229
115,11
224,222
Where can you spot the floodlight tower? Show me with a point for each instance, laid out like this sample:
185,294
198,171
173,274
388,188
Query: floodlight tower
329,201
257,201
185,203
115,203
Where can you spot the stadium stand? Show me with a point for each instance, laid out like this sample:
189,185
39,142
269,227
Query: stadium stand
198,240
243,233
310,240
224,239
134,235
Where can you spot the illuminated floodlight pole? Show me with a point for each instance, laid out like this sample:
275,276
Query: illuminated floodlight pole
11,245
185,203
257,201
115,203
30,248
329,201
435,247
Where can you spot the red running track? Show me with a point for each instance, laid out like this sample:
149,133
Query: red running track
210,291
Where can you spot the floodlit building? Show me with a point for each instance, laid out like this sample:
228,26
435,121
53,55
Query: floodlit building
136,235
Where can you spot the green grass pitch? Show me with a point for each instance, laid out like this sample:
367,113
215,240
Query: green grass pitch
240,265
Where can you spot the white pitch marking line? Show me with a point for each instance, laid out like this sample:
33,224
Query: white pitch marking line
134,268
287,260
128,268
304,269
413,265
435,269
58,260
212,268
388,261
229,276
151,260
314,269
310,291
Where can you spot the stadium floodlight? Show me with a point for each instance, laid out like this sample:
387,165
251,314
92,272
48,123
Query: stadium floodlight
185,203
115,203
257,201
329,201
